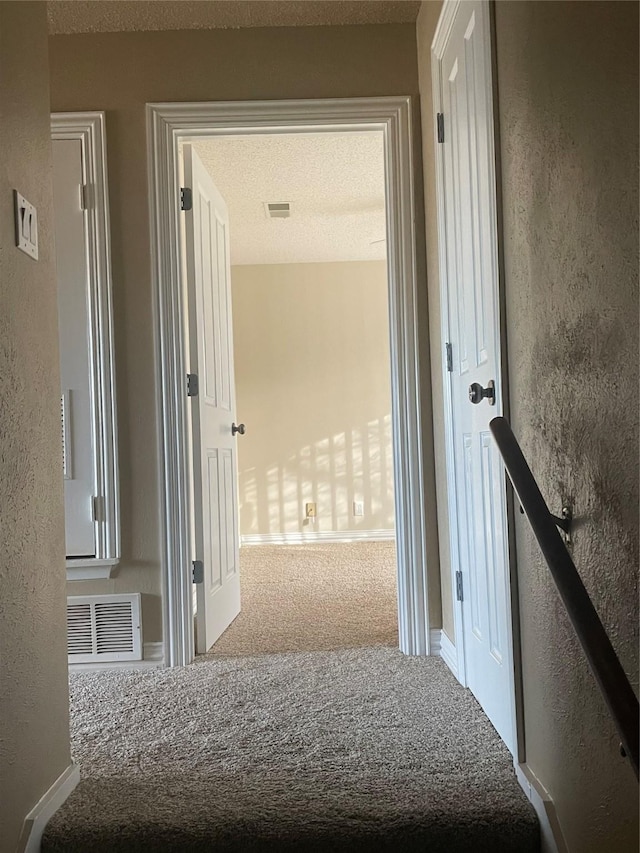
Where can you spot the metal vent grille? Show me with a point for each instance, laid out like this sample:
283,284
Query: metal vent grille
103,628
277,209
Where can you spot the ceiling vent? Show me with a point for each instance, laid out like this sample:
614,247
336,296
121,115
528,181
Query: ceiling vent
103,628
277,209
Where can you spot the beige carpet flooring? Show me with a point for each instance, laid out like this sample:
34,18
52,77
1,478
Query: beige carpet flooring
352,751
326,597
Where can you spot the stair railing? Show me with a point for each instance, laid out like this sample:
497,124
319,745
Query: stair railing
604,663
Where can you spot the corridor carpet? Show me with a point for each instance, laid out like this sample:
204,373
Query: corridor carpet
314,598
352,750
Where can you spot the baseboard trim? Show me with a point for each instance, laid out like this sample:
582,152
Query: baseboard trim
153,652
441,646
551,837
448,653
40,815
435,640
317,537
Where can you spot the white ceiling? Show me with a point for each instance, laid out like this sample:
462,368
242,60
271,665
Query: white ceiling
108,16
333,181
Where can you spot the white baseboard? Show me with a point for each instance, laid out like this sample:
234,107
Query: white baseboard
441,646
435,639
318,536
551,837
153,652
40,815
448,653
153,658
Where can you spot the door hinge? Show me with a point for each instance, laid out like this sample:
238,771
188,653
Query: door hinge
85,196
186,198
449,356
440,126
97,508
192,385
197,571
459,595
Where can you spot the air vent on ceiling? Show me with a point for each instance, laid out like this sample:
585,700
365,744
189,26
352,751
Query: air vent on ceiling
103,628
277,209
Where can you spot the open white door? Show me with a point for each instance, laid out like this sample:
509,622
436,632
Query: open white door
215,500
468,234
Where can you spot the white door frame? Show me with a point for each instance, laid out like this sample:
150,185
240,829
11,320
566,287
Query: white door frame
167,124
89,129
440,40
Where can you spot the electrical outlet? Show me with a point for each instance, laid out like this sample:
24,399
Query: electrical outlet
310,510
358,508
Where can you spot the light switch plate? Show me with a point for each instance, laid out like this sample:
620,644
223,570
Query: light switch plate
26,225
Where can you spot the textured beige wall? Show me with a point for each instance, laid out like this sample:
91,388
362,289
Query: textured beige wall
119,73
568,96
33,663
312,368
425,29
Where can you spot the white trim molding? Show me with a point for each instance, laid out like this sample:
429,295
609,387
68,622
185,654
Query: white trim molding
318,537
441,646
448,653
89,568
435,637
89,129
153,652
40,815
551,837
167,125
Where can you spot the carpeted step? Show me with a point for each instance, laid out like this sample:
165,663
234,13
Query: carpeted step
357,750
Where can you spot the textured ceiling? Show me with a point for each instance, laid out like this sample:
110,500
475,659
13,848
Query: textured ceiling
333,181
90,16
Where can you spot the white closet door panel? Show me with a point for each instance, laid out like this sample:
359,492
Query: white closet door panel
73,318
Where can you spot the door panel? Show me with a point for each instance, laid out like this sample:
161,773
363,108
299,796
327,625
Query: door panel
75,364
470,230
213,410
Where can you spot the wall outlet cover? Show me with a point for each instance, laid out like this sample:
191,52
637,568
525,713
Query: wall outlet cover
358,508
310,510
26,218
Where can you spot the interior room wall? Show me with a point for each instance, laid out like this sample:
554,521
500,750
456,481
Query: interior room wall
34,699
568,103
312,368
120,73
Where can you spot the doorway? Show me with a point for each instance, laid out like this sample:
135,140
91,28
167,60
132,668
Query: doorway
168,125
293,227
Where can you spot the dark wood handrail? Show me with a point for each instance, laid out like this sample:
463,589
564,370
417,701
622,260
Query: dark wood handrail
604,663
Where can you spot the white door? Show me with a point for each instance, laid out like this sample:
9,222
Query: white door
478,482
75,370
215,501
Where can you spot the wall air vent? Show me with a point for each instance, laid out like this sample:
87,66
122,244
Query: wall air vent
103,628
277,209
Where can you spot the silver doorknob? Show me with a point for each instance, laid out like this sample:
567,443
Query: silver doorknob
477,393
239,428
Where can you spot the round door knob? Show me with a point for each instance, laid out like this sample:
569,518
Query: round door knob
239,428
477,393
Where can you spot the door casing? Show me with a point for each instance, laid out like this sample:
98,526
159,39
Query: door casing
167,125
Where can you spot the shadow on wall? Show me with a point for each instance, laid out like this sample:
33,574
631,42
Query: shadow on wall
355,464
